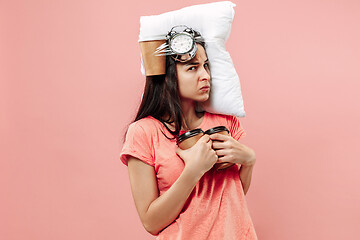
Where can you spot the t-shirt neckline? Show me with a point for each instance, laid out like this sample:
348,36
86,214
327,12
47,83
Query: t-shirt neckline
183,131
201,125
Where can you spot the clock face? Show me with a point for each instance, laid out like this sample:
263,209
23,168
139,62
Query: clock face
182,43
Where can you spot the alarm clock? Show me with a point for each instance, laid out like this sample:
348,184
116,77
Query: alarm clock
181,45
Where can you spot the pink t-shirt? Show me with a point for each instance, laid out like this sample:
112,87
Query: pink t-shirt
216,208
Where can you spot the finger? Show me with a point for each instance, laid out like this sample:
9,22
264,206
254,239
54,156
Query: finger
218,137
222,159
213,152
218,145
216,157
178,151
221,152
204,138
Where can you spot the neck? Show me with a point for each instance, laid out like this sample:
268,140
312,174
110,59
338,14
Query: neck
191,119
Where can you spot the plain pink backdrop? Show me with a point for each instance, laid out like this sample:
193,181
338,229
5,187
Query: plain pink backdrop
71,82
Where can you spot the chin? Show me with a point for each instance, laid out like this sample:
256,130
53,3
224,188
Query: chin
203,98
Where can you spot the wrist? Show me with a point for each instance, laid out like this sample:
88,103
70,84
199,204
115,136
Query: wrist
249,164
190,173
251,160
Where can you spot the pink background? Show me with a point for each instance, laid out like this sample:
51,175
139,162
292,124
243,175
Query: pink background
71,82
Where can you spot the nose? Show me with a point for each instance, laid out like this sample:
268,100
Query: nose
204,74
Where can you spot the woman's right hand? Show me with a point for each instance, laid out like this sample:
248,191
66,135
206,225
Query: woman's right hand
200,158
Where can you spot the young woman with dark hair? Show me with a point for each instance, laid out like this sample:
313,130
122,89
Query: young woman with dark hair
161,99
178,193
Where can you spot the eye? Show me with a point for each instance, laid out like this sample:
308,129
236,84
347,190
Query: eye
206,65
192,68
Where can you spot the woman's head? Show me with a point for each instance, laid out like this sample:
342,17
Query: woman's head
183,81
194,78
190,80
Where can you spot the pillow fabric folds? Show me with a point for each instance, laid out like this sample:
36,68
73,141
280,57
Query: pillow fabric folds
213,21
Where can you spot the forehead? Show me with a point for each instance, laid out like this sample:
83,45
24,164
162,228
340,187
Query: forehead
200,54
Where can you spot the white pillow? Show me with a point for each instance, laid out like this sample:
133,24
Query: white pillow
213,21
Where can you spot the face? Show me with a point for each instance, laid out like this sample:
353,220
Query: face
194,77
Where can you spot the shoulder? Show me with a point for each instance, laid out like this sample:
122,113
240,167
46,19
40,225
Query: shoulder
147,124
147,127
139,141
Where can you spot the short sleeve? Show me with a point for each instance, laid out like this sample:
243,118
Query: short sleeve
138,144
235,127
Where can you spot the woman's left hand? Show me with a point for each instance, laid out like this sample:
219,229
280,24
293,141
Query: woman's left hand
230,150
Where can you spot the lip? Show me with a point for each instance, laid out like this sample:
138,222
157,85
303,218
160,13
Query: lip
205,88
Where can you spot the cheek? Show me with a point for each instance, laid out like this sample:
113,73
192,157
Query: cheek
186,86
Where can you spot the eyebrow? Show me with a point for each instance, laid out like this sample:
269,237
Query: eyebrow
195,63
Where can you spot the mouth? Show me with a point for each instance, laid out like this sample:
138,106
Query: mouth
205,88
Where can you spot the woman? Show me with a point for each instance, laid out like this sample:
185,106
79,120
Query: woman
178,193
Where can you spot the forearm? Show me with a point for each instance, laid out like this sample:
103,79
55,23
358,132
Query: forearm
166,208
245,174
